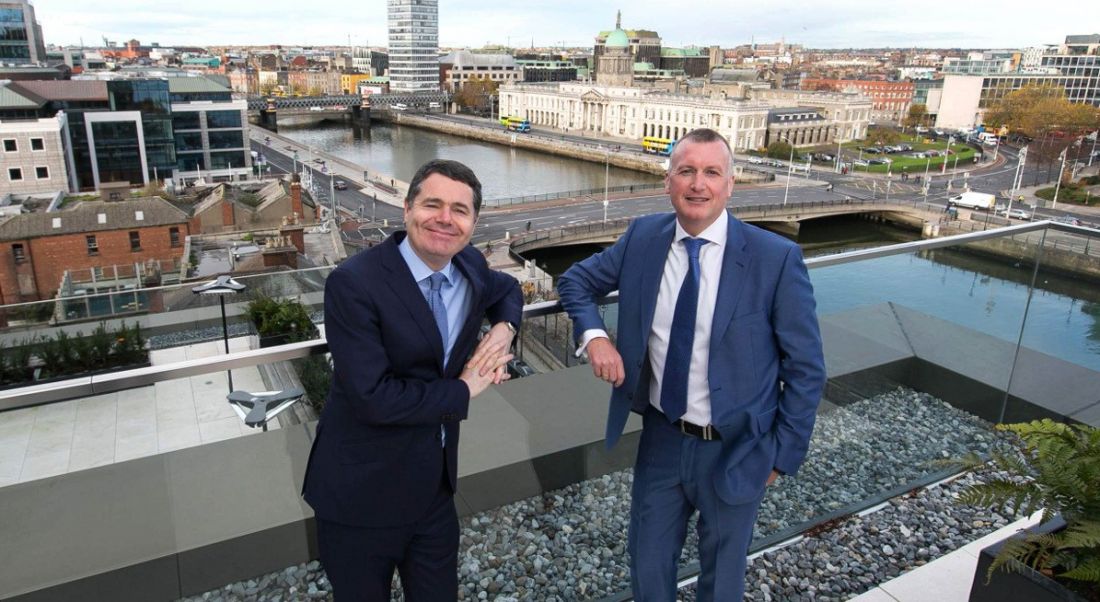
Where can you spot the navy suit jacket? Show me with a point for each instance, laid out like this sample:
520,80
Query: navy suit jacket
766,369
377,459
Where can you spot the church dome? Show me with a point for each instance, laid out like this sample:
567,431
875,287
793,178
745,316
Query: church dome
617,39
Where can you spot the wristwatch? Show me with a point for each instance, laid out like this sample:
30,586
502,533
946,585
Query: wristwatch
511,327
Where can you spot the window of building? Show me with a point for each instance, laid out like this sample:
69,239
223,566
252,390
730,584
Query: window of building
38,144
18,253
93,247
174,236
42,173
15,174
10,146
135,241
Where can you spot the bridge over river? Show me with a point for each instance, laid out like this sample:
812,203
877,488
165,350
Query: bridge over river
778,217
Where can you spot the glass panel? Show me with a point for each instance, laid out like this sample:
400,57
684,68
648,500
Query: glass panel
230,139
223,119
1057,372
186,120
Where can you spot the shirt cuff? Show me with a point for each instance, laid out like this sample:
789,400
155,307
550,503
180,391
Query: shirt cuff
586,338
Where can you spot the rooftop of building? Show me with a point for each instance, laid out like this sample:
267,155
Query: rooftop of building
195,85
90,216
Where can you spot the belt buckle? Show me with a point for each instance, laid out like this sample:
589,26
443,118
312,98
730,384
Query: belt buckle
707,434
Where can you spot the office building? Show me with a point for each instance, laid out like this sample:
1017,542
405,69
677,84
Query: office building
414,45
20,34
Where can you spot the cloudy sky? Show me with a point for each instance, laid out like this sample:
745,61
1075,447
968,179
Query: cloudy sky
473,23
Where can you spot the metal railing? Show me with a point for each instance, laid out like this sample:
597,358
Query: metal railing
532,198
116,381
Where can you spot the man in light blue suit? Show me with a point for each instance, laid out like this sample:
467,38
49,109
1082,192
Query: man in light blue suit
719,350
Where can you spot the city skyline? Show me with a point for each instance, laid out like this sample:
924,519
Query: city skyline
572,23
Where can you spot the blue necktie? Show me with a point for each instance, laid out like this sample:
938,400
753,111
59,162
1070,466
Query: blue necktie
439,311
681,337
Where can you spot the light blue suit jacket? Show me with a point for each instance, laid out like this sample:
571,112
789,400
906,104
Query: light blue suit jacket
766,367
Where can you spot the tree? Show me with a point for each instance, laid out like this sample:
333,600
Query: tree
1036,110
918,113
267,88
779,149
315,91
475,95
880,135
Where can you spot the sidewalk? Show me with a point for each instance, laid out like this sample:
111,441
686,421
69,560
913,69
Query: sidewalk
1028,192
384,187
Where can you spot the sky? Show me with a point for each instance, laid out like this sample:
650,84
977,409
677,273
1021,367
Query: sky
518,23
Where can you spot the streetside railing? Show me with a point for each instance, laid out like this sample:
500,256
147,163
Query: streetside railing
117,381
550,196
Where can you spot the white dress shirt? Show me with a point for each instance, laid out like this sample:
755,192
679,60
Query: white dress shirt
675,270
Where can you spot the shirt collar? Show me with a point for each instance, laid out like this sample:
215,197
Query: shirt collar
419,269
715,233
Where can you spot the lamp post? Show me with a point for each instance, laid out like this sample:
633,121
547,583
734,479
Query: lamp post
1054,203
790,169
1017,180
222,286
606,178
947,155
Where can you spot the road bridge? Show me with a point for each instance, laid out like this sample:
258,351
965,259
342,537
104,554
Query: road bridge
783,218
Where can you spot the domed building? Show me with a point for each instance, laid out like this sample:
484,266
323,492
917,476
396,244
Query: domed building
615,66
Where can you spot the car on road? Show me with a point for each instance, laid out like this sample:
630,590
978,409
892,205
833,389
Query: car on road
879,161
861,163
1067,219
920,129
340,185
756,160
1015,213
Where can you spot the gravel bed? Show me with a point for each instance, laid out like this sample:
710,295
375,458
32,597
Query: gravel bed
570,544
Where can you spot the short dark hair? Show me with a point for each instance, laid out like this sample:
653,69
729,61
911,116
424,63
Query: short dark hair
704,135
449,169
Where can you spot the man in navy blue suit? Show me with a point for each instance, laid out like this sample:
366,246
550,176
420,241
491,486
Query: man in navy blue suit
719,350
401,321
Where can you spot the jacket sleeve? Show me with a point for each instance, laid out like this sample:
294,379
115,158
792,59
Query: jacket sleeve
589,279
801,362
364,374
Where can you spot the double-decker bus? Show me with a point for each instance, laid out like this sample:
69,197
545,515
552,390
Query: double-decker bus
659,146
516,124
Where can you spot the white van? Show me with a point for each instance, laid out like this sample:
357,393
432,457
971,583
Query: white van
399,107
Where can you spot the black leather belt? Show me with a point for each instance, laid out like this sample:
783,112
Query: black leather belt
706,433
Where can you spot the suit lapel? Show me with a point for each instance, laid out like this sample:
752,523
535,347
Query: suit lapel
473,319
656,254
735,263
408,292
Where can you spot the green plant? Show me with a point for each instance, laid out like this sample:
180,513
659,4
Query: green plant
280,317
1054,467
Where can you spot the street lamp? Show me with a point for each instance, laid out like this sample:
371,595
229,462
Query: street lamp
1054,204
606,178
222,286
790,170
947,155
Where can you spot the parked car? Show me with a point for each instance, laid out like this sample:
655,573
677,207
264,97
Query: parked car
756,160
340,185
920,129
905,148
861,162
879,161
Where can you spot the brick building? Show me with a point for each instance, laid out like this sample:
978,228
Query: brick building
890,100
227,208
38,247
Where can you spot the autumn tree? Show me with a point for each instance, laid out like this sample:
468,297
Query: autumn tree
1036,110
881,135
475,95
918,114
779,149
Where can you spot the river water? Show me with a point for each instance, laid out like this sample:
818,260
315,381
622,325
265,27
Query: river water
504,172
975,292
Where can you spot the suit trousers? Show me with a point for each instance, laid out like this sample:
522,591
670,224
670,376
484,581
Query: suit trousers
360,561
673,478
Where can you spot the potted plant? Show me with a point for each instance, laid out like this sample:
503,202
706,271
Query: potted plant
1054,467
280,321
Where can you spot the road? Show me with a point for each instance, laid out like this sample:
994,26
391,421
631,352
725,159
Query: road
495,225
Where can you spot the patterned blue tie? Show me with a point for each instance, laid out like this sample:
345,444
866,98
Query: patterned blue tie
681,337
439,311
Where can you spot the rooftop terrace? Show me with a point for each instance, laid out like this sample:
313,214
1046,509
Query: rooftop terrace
925,350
